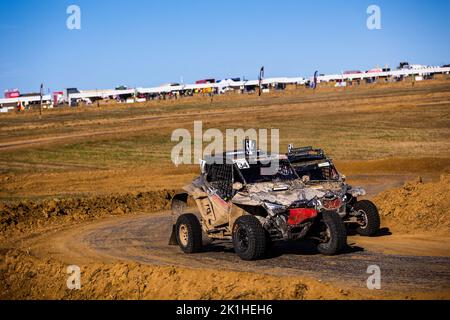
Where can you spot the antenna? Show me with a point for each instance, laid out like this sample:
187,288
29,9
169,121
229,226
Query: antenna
41,92
260,78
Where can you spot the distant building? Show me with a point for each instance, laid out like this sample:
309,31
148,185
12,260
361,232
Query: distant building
353,72
404,65
58,97
68,92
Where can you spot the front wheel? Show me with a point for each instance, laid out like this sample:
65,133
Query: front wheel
189,233
332,234
370,218
249,238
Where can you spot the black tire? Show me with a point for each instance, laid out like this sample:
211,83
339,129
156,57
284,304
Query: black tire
249,238
189,233
332,223
371,217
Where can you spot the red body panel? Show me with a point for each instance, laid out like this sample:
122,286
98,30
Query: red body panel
297,216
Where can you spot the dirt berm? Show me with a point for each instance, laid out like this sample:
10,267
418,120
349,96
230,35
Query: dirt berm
23,276
417,207
28,216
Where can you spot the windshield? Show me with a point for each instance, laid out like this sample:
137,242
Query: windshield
317,172
259,172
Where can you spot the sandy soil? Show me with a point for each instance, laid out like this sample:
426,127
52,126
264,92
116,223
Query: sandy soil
32,278
417,206
128,258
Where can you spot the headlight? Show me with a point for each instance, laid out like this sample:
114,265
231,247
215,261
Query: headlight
275,208
357,192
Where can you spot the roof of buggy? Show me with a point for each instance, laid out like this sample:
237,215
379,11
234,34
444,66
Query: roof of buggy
305,154
230,156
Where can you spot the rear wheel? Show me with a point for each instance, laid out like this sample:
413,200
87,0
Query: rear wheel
189,233
370,218
249,238
332,234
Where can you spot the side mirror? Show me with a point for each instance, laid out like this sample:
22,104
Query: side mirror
237,186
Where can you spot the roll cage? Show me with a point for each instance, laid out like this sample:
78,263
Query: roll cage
220,173
312,163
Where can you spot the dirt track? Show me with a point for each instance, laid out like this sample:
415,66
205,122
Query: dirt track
412,265
109,246
143,239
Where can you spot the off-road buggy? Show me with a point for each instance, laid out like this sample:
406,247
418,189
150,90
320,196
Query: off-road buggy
240,197
317,171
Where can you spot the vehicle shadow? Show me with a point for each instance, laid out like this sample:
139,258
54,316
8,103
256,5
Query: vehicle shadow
383,232
305,248
216,246
298,248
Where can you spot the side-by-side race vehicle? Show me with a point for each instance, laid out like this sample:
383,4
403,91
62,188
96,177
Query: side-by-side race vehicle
242,198
317,171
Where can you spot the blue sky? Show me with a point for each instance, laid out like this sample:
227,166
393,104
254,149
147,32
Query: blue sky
147,43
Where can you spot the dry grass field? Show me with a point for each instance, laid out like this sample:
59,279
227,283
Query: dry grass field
95,150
